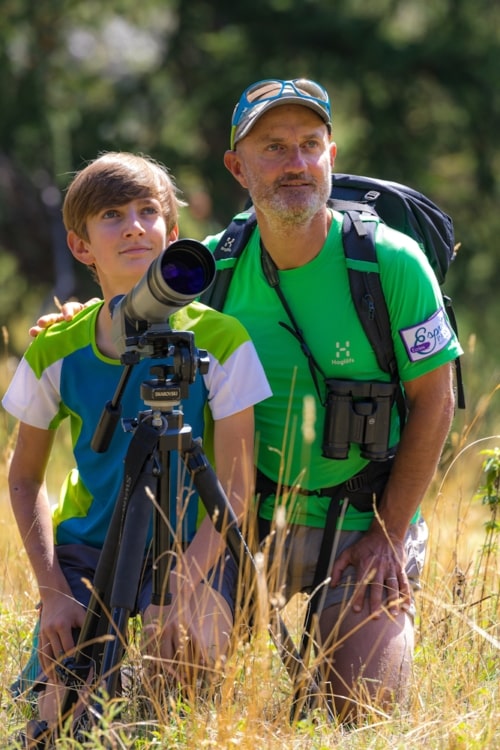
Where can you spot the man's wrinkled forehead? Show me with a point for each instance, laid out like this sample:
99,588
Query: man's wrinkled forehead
290,120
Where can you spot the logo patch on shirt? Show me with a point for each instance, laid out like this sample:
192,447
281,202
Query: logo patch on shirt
342,353
428,337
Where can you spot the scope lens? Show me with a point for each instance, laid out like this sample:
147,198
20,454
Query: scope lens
184,271
182,278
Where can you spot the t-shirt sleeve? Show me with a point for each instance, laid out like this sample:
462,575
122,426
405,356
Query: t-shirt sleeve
238,383
235,379
34,400
423,336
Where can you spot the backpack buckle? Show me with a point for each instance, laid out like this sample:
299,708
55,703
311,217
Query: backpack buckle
371,196
355,483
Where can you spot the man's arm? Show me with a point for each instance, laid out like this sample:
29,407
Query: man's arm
64,312
30,504
379,555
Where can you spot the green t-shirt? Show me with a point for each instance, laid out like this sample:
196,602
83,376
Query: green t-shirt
289,426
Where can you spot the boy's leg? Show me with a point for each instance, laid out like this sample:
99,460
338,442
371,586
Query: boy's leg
78,563
186,643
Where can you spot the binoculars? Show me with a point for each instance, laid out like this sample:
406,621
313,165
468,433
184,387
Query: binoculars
358,412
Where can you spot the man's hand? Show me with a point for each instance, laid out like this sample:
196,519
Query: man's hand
379,563
65,312
379,556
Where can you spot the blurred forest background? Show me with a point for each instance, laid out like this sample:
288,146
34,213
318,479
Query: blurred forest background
415,88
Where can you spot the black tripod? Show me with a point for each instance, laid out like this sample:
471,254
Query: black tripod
95,666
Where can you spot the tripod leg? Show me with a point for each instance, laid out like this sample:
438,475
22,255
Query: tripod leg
116,579
220,511
127,576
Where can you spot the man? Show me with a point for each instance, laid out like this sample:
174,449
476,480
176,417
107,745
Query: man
120,212
282,152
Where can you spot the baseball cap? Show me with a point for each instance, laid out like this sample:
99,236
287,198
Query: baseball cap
272,92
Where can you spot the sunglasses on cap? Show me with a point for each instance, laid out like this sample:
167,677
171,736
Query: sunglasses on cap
270,90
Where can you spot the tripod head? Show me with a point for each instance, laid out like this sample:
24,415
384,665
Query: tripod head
181,360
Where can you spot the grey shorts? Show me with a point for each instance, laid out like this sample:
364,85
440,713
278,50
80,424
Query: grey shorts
79,562
292,564
299,555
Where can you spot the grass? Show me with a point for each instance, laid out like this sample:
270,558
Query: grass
455,701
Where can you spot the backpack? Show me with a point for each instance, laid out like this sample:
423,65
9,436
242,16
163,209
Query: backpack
398,206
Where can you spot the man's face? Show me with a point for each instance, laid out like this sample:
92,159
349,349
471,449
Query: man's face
285,162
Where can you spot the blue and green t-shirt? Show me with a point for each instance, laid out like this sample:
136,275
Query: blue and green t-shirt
63,375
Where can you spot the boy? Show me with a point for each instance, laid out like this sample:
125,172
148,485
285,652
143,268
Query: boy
120,212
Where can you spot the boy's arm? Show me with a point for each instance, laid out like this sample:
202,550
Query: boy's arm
233,447
30,504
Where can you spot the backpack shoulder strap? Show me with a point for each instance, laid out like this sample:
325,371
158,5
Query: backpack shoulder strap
368,296
366,289
229,248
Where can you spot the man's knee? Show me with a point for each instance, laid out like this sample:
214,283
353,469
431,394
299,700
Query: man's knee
366,661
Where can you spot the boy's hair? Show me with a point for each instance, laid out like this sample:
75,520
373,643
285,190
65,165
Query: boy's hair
116,178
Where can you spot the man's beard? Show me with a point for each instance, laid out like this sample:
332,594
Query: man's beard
290,205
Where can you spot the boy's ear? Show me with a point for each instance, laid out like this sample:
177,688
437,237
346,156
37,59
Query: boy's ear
173,235
79,248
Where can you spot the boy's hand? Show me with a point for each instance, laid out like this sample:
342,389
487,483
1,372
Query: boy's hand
65,312
61,614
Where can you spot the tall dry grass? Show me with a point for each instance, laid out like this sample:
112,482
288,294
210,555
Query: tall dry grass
455,687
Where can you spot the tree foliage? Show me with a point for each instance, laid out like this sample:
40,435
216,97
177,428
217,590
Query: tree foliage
414,88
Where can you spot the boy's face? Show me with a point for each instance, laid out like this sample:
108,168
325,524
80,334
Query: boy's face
122,243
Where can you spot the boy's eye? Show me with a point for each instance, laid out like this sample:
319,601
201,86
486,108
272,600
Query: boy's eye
110,213
146,209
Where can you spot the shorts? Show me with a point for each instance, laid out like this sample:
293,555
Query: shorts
292,565
78,563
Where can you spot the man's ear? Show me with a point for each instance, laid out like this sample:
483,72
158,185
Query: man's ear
333,153
79,248
232,162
